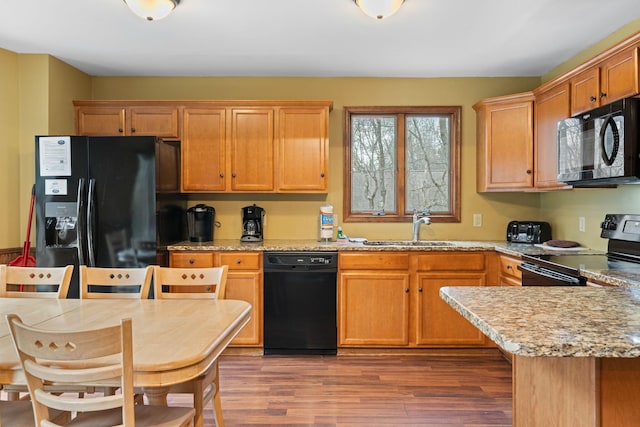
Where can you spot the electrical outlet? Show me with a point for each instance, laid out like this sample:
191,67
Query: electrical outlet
477,220
581,225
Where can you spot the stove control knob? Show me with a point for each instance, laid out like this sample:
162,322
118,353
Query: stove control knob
609,224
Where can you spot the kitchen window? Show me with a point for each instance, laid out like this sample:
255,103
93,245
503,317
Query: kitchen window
398,159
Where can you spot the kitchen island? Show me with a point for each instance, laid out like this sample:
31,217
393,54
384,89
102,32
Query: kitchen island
576,350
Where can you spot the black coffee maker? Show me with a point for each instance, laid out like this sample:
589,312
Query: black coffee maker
200,221
252,222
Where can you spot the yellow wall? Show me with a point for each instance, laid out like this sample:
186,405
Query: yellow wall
563,209
37,90
10,146
296,216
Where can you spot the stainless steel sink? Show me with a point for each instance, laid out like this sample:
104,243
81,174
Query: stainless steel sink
406,243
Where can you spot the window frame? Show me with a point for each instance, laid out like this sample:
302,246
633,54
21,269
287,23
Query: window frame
400,112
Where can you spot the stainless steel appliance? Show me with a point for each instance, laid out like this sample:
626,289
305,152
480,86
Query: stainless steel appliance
252,224
98,202
601,147
300,298
200,222
528,232
623,251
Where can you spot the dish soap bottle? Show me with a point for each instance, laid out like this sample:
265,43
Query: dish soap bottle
341,238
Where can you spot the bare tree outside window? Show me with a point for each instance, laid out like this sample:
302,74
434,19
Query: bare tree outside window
398,159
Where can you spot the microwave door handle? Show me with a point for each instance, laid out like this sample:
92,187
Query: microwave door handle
80,210
91,222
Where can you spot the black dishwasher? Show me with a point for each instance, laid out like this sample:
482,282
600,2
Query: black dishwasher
300,302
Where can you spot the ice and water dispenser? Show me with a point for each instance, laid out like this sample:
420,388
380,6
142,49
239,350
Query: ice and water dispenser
61,224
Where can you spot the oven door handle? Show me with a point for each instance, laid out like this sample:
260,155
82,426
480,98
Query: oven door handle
550,274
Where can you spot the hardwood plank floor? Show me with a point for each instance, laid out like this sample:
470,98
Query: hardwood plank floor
357,391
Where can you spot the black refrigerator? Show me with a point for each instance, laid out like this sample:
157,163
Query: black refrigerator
106,201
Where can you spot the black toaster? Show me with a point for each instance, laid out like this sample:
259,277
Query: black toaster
528,232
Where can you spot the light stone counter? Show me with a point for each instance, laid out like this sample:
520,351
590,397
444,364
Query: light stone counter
541,321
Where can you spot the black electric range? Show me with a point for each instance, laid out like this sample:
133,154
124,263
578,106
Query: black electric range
623,251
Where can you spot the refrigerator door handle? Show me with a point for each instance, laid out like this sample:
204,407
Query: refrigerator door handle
81,222
91,223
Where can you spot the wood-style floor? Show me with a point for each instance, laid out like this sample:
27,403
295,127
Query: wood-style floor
350,391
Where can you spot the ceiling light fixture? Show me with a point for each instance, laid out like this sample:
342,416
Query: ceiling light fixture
379,9
152,10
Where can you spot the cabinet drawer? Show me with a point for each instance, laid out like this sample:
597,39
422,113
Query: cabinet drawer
509,267
374,261
191,259
241,261
450,261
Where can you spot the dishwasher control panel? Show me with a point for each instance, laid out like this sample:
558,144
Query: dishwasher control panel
308,260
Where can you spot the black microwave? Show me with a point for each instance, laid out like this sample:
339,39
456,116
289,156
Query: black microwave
601,146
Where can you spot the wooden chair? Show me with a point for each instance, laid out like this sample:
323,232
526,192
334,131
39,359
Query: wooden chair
87,357
19,413
131,283
37,282
195,283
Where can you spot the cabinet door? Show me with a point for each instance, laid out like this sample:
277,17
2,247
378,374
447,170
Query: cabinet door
437,322
551,106
585,90
303,150
100,121
247,286
251,149
244,282
373,309
203,149
505,144
620,77
162,122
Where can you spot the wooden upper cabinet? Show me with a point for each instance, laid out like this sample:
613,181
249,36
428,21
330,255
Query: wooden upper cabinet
613,78
162,122
251,149
551,106
105,120
505,143
203,149
303,150
619,76
100,121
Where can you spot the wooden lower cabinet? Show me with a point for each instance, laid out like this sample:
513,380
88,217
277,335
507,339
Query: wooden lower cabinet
510,275
391,299
244,282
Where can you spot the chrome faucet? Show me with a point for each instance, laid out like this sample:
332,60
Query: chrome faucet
423,217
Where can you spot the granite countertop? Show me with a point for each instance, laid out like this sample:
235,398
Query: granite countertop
545,321
313,245
630,277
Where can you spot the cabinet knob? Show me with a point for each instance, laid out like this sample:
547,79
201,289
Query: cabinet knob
509,267
233,175
120,130
133,130
192,261
406,291
322,175
592,98
419,289
603,94
528,171
221,175
238,261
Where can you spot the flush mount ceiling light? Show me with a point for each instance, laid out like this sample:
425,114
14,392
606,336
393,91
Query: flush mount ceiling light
152,10
379,9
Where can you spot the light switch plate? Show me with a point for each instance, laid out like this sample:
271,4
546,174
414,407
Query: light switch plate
581,224
477,220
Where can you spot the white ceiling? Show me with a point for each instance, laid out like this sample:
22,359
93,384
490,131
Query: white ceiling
426,38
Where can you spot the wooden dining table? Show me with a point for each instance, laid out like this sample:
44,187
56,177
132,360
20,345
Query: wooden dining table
174,341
